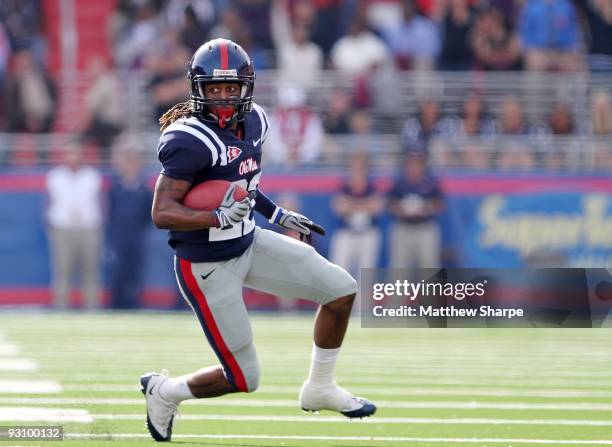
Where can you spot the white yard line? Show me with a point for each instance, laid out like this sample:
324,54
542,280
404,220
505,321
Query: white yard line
18,364
495,382
29,387
247,402
508,441
374,420
33,414
8,349
391,391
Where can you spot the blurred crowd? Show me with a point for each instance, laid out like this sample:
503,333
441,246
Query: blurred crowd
362,35
372,43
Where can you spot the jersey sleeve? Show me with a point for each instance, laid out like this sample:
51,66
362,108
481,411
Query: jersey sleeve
265,123
264,205
182,156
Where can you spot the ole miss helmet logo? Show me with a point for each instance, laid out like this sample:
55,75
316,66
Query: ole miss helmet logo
233,153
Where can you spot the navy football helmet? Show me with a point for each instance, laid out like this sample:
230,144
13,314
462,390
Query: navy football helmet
221,60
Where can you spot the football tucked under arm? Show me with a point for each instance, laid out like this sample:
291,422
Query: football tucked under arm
230,203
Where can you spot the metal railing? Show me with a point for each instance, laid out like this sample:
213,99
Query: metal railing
563,154
393,96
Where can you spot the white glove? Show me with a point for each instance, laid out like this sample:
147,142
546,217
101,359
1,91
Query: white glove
291,221
231,211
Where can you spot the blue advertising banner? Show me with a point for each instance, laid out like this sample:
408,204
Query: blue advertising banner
572,229
490,221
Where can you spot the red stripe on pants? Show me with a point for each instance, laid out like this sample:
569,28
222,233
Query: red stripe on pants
227,355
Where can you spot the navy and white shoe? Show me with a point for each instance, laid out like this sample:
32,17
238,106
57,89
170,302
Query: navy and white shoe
334,398
160,412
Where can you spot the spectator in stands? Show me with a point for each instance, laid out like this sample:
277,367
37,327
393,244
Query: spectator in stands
360,122
129,218
599,19
167,85
472,121
414,202
182,14
233,26
494,43
362,136
415,43
458,19
263,58
331,22
360,52
601,113
195,29
550,35
515,151
256,17
23,24
557,154
30,96
384,15
296,131
299,61
134,38
5,53
356,244
601,122
561,120
75,221
509,8
228,25
461,135
418,131
337,112
429,8
302,12
511,120
103,117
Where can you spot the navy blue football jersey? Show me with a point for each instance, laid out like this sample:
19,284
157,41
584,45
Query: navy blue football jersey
195,151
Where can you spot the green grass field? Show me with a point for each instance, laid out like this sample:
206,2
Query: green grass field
470,387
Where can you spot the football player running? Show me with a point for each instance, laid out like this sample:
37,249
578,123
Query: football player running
218,135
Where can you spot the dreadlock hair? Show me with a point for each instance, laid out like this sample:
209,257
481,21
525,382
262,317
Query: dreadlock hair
180,110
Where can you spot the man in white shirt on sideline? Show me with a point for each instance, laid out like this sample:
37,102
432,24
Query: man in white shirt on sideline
75,224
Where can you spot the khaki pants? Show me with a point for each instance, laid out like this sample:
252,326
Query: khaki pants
75,250
354,250
415,245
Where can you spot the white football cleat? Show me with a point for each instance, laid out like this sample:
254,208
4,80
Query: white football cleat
334,398
160,412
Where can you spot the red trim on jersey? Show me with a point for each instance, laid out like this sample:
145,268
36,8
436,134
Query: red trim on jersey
229,358
224,56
